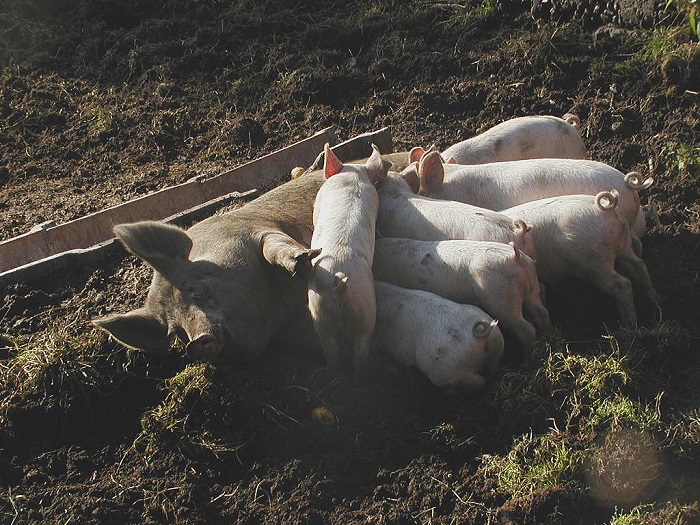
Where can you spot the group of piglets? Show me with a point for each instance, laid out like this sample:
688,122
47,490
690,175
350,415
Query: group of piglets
423,255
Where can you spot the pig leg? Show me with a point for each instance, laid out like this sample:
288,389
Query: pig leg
360,357
537,314
634,268
521,329
614,285
637,229
331,348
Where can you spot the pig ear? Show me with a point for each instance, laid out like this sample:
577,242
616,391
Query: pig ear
157,243
376,167
138,329
452,160
410,175
331,164
280,249
415,154
431,172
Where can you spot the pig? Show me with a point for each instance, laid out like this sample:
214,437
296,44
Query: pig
502,185
341,284
520,138
230,285
493,276
404,214
455,345
587,237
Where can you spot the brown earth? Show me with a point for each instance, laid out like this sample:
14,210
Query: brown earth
104,101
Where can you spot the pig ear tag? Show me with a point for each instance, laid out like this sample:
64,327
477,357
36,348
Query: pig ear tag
331,164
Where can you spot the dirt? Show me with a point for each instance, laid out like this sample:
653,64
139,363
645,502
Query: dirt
104,101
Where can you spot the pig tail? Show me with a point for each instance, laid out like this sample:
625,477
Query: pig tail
516,250
607,200
482,329
633,180
520,227
573,120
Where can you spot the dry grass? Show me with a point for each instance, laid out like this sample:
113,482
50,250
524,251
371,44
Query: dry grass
55,367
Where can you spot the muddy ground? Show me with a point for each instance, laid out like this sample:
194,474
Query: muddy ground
107,100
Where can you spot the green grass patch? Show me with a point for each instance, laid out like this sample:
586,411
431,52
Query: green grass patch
187,418
621,411
672,512
690,9
661,42
464,15
683,156
562,384
535,463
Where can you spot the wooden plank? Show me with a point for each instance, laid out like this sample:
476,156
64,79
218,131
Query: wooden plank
50,250
359,147
97,227
79,257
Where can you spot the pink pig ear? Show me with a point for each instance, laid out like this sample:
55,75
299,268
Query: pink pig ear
332,165
415,154
452,160
375,167
431,172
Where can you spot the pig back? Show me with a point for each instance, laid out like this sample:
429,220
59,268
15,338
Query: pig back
289,206
542,136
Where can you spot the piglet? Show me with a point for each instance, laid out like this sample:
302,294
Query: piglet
455,345
586,236
341,284
520,138
402,213
501,185
494,276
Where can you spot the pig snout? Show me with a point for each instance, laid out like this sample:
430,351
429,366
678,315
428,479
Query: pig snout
206,347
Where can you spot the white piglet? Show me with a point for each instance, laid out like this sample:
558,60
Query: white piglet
519,138
453,344
494,276
587,237
402,213
341,284
501,185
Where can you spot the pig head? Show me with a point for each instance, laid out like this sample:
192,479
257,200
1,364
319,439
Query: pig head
230,284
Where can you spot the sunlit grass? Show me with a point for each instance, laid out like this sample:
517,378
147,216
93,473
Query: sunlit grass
181,420
535,463
54,366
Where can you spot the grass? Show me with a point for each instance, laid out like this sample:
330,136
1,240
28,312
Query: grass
536,463
661,42
672,513
690,9
220,412
620,411
603,397
193,396
683,156
54,367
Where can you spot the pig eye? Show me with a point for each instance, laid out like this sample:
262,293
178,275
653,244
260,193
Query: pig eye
196,292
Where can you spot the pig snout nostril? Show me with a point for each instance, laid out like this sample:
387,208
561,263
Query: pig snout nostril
205,347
